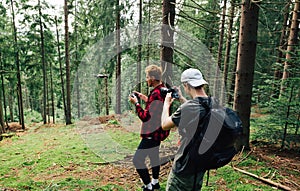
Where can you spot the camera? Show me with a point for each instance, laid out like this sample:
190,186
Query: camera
174,92
135,95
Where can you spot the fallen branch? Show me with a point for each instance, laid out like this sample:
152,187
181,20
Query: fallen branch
268,181
98,163
7,135
240,159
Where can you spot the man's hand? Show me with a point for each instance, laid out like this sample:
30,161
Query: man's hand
142,96
133,99
166,121
168,100
181,98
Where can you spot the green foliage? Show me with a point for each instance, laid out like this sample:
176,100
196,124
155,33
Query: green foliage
32,116
281,123
113,122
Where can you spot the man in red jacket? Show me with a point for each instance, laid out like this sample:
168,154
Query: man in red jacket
151,131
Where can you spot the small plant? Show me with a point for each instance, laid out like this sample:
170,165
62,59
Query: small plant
113,122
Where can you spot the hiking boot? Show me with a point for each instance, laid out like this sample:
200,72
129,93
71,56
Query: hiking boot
146,189
156,186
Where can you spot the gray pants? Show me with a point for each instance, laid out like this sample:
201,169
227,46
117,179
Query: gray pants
184,183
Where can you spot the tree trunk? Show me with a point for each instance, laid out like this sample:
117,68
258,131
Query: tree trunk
19,85
292,42
3,92
167,40
245,67
139,55
67,62
282,46
77,63
287,118
218,83
52,95
44,65
118,65
148,43
228,47
61,70
232,80
10,102
48,101
2,128
106,96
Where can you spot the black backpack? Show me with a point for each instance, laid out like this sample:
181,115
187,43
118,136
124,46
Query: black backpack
212,146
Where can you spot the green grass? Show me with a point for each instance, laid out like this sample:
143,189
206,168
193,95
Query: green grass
39,154
57,158
129,140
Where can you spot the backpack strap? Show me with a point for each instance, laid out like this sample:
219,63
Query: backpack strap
207,177
207,109
199,130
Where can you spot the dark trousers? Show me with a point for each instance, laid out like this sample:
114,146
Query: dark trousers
150,148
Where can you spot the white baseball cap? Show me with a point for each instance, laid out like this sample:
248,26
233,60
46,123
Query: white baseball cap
193,77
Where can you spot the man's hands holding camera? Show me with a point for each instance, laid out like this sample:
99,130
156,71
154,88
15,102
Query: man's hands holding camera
168,100
172,94
135,96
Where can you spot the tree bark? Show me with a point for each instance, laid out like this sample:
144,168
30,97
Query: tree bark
67,62
3,92
139,54
52,95
19,85
167,40
228,47
245,67
44,65
217,83
281,48
10,102
2,128
60,69
287,118
118,64
106,96
292,42
148,43
77,64
232,80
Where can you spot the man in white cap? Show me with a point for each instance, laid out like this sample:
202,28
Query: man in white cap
184,176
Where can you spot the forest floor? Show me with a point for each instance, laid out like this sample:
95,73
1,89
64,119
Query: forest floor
284,161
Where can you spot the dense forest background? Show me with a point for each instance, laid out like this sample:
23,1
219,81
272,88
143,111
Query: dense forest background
44,49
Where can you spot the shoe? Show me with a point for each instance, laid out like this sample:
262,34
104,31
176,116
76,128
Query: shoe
146,189
156,186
